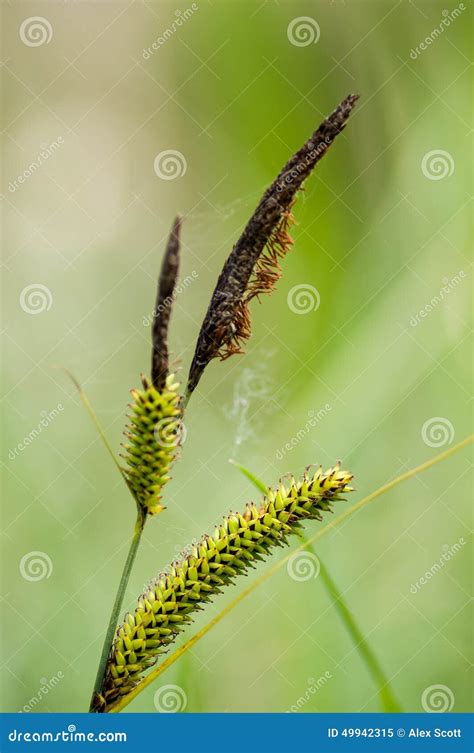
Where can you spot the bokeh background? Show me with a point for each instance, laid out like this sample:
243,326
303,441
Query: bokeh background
383,227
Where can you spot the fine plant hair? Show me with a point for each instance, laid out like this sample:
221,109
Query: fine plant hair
154,434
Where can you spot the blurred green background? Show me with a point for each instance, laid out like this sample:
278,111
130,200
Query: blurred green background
383,227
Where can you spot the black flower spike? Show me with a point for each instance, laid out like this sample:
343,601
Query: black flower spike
162,312
252,267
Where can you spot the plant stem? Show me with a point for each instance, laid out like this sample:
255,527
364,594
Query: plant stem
125,700
387,698
132,552
114,617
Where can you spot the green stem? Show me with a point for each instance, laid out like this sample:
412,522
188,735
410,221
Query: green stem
114,617
132,552
185,399
387,698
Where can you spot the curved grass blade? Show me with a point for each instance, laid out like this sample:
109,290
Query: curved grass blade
100,430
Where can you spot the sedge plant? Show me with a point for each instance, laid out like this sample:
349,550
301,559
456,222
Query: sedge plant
133,646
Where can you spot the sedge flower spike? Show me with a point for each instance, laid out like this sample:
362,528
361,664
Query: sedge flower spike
155,429
164,303
238,543
154,435
253,266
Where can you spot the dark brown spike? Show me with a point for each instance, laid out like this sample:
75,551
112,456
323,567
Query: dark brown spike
164,302
252,267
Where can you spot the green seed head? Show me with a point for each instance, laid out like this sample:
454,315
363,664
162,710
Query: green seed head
238,543
154,435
